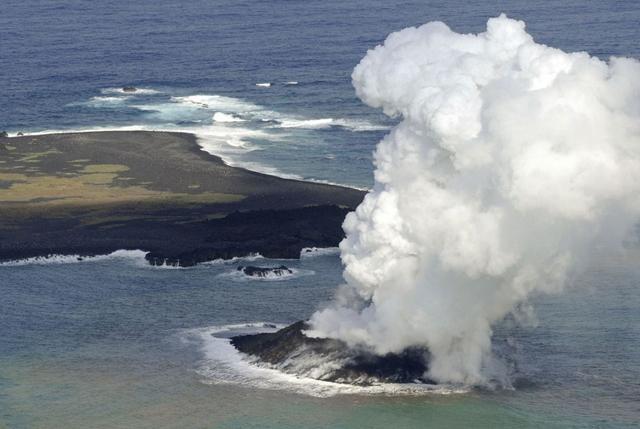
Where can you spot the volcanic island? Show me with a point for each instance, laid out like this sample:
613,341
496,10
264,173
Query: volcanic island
92,193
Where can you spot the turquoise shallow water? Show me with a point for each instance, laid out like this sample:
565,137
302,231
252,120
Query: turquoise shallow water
111,343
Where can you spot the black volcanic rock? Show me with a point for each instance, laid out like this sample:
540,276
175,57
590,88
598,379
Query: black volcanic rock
129,89
277,234
265,271
4,134
332,360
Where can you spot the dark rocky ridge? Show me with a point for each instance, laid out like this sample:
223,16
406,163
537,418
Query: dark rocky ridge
272,233
291,351
280,234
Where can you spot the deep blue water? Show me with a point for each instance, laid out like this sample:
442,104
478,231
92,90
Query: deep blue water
56,55
109,344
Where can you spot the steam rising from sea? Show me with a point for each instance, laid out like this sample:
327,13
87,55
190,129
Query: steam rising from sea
511,159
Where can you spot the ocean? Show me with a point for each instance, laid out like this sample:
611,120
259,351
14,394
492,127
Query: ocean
110,342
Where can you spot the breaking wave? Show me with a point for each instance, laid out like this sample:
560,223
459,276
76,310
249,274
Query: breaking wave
136,256
324,123
218,103
226,117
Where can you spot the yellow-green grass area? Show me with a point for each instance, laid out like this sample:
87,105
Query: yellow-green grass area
95,184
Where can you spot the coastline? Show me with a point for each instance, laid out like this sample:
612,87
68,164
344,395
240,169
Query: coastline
92,193
201,140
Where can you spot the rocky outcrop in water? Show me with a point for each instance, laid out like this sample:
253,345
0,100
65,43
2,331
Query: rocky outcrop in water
129,89
291,351
252,271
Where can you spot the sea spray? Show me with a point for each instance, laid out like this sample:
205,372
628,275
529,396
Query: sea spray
510,160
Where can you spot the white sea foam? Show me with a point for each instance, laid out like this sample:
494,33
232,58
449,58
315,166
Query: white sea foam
170,112
226,117
217,138
248,258
103,102
264,84
111,102
230,142
242,110
223,364
306,123
218,103
360,125
263,168
291,82
311,252
332,183
84,130
136,256
138,91
324,123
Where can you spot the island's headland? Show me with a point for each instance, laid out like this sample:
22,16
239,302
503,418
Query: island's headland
93,193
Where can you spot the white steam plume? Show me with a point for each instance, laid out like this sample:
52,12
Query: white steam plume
510,160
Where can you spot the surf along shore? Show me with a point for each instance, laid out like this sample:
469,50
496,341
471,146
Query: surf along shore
92,193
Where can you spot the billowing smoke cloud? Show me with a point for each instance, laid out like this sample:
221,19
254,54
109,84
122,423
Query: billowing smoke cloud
510,160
